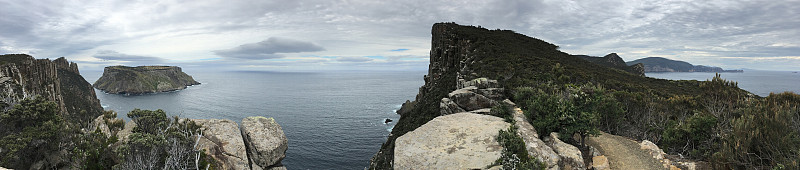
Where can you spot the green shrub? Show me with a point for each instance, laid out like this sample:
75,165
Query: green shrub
29,132
515,155
765,136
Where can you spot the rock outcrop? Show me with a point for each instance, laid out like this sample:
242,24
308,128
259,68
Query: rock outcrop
456,141
22,76
571,157
223,141
536,147
266,142
143,79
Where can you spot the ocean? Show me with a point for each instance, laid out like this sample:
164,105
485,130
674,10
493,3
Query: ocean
333,120
758,82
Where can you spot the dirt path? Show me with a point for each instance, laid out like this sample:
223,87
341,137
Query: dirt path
623,153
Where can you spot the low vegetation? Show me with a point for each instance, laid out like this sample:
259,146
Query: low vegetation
34,130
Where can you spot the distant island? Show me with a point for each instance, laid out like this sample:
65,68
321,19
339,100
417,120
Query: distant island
143,79
659,64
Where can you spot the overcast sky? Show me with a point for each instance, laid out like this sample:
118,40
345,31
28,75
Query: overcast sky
391,35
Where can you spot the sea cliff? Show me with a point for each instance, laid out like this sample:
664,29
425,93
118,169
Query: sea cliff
143,79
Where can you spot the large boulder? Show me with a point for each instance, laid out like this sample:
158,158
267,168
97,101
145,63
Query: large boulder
536,148
571,157
447,106
469,101
222,140
456,141
266,142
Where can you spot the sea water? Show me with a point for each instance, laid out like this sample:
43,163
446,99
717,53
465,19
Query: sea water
758,82
333,120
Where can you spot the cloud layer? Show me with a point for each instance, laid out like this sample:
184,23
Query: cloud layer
758,34
269,49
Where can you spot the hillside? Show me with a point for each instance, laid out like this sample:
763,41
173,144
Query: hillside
658,64
143,79
682,117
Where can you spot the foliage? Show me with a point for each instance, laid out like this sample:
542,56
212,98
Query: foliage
767,135
515,155
693,136
30,131
568,109
159,142
503,110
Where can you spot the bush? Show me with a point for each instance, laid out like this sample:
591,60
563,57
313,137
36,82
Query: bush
693,137
30,131
515,155
765,136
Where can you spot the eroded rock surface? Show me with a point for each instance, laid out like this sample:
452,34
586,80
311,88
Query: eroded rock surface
266,142
456,141
536,147
223,141
571,157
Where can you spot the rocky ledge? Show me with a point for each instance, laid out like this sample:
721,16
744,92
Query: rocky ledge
259,144
143,79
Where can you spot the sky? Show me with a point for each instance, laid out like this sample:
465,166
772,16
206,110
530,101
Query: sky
319,35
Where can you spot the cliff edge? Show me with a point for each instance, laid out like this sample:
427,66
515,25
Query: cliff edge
143,79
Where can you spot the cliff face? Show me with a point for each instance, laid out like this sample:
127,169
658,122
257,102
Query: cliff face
143,79
22,76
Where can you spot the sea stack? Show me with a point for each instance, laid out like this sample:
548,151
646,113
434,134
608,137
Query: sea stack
143,79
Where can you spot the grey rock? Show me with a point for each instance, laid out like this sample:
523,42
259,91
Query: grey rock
100,123
456,141
571,157
447,106
469,100
486,111
222,140
126,131
492,93
536,148
482,83
266,142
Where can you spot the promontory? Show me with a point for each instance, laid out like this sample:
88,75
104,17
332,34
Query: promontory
143,79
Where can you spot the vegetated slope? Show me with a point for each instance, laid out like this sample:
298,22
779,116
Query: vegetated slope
467,52
658,64
143,79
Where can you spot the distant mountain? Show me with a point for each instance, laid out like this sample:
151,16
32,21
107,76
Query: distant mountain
614,61
658,64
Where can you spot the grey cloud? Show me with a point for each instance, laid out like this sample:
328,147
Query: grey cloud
354,59
269,49
113,56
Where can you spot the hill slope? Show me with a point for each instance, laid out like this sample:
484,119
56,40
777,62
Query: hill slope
658,64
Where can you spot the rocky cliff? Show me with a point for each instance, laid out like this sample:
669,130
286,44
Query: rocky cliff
658,64
143,79
463,58
22,76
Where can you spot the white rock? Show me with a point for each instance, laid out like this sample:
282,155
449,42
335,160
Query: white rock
456,141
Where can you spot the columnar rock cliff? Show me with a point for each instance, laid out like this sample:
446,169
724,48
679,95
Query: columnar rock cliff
143,79
22,76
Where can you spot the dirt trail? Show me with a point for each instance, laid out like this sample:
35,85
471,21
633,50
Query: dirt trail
623,153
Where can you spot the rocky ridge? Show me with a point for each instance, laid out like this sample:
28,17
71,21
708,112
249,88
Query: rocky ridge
22,76
143,79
